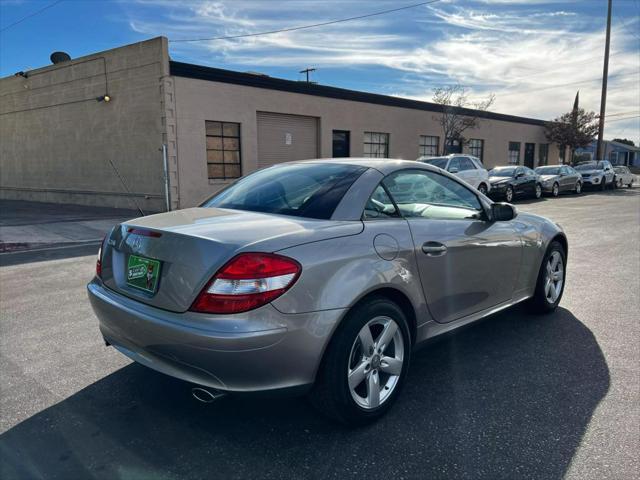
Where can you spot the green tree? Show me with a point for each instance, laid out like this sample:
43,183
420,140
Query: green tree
626,141
575,129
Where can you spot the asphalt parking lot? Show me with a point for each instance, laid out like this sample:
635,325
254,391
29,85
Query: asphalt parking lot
515,396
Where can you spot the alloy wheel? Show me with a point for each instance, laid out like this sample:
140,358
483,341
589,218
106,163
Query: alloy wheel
554,278
578,187
375,362
509,194
538,191
556,190
482,189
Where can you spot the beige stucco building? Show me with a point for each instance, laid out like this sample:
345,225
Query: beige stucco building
173,133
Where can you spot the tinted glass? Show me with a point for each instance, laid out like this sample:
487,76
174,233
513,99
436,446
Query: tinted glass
590,166
502,172
431,195
466,164
547,170
303,190
438,162
380,206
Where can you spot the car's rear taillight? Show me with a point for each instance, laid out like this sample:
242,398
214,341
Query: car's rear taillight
99,259
247,281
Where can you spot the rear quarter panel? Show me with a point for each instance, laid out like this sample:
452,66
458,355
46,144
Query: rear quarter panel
336,273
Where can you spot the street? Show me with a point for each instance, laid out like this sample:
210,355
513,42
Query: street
514,396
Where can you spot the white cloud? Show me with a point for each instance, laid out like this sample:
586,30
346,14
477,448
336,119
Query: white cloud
523,56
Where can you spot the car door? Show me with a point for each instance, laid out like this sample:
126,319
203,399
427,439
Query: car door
469,172
520,182
567,181
531,178
467,264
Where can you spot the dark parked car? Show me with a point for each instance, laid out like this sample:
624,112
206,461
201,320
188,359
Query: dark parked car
514,181
559,178
597,173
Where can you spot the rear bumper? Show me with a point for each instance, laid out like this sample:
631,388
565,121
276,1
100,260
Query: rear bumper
217,352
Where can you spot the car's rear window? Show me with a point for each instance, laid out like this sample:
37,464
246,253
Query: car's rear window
311,190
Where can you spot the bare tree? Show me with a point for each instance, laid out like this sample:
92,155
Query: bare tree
459,113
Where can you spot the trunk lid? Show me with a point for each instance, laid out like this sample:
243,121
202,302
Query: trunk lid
192,244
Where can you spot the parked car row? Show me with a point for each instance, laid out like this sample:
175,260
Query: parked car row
515,181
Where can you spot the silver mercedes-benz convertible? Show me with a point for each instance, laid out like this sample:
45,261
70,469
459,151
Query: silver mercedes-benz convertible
319,276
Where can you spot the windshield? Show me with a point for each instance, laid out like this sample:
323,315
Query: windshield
548,171
310,190
589,166
438,162
502,172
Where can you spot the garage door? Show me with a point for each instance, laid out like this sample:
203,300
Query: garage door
283,138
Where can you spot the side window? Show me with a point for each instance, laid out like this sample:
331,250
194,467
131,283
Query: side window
564,171
379,206
454,165
419,193
519,171
466,164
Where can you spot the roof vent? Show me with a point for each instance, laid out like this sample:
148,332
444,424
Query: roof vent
59,57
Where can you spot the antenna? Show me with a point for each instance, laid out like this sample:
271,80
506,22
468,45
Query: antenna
307,71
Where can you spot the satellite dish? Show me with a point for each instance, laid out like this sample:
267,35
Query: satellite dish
59,57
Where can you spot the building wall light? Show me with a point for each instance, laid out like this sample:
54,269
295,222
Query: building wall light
104,98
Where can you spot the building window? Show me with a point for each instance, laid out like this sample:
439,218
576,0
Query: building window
476,148
223,150
429,146
376,144
514,153
543,154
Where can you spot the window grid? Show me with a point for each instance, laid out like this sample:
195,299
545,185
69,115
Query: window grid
429,145
376,145
223,150
543,154
514,153
476,148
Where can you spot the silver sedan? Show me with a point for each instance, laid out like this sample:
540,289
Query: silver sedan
557,179
319,276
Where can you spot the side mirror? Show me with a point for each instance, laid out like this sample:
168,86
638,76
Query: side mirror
502,212
453,170
519,175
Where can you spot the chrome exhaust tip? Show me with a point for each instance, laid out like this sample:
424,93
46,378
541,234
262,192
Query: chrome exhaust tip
206,396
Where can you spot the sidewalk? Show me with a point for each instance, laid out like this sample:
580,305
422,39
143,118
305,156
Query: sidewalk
32,225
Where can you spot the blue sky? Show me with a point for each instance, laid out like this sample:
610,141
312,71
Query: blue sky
523,51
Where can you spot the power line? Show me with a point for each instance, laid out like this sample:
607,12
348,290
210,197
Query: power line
303,27
53,4
622,119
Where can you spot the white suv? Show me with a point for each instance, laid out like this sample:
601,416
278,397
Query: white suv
467,167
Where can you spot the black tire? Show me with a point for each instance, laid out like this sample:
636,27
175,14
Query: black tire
331,394
538,191
539,303
603,185
619,184
555,190
630,185
578,189
482,188
509,193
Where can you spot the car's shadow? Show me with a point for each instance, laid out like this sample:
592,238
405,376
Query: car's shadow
510,397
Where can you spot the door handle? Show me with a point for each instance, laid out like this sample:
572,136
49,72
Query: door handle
433,248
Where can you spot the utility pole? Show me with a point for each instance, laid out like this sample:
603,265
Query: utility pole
307,70
605,74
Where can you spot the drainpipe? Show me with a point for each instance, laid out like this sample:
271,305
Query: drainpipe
165,165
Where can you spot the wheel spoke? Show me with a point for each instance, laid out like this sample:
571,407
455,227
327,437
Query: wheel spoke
547,287
391,365
554,260
357,376
373,390
366,339
386,336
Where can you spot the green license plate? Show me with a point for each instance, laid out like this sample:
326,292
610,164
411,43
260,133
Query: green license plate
143,273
